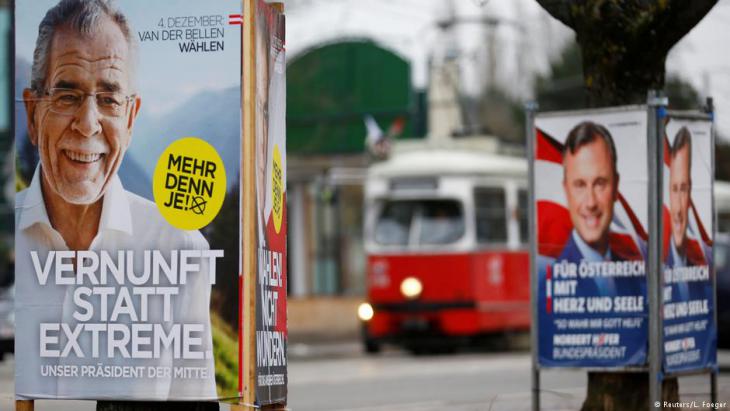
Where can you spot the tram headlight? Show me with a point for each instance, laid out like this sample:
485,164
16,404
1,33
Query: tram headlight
411,288
365,312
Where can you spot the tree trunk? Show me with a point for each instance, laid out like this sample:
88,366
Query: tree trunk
614,78
624,44
624,391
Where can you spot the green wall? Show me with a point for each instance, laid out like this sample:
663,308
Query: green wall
330,89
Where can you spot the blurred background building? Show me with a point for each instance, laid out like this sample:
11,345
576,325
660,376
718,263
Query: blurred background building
352,62
409,69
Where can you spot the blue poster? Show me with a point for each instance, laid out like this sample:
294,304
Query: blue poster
689,332
591,183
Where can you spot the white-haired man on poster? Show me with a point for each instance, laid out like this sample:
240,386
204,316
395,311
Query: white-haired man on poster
81,109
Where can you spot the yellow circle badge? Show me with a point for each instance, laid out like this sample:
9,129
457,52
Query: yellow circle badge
189,184
277,190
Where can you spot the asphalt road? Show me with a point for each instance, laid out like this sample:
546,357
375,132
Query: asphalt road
397,381
463,382
338,377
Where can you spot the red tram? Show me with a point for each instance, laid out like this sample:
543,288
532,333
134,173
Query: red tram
446,242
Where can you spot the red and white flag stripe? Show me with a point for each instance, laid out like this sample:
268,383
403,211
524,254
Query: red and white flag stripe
235,19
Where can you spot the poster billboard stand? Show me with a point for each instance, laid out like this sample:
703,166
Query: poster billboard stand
710,110
20,405
706,114
545,154
263,38
657,109
550,151
245,393
530,110
247,335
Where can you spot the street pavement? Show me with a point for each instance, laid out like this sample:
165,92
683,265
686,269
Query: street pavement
339,377
464,382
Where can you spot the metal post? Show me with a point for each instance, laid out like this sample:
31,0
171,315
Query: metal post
710,109
530,109
247,333
657,107
24,405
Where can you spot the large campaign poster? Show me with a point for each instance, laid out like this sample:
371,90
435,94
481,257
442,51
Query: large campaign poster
689,332
127,207
270,129
591,182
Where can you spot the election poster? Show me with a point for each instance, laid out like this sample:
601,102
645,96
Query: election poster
591,182
127,215
270,173
689,333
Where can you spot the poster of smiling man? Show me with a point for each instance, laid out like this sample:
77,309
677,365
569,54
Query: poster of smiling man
128,131
689,331
591,202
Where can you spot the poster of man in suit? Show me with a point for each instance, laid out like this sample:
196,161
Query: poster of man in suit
591,202
689,331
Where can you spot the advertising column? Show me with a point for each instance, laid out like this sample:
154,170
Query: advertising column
591,180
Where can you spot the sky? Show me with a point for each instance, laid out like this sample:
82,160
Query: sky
701,58
408,28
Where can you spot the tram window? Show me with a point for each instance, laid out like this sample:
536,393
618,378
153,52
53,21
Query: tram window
491,223
433,222
441,222
394,223
522,215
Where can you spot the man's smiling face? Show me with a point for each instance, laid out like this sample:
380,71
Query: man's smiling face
591,188
680,186
80,152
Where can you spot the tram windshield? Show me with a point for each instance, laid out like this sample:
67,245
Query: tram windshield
420,222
